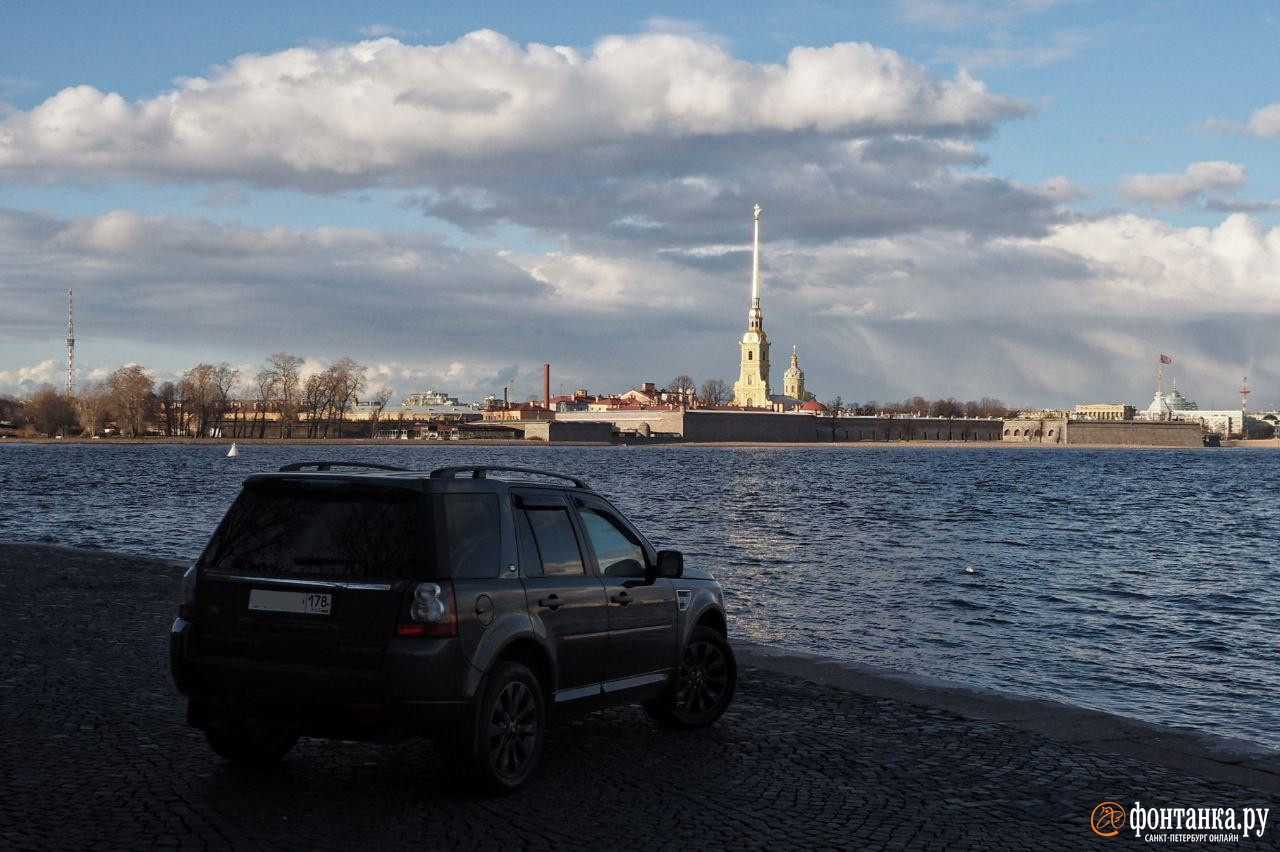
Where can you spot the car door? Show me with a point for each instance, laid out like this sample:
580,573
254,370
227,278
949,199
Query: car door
564,598
642,607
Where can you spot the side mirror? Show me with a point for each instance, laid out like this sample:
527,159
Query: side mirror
670,564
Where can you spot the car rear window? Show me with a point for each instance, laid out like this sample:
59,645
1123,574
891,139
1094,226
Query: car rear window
329,531
352,531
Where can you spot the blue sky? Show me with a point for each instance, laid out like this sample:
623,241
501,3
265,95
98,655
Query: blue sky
1104,91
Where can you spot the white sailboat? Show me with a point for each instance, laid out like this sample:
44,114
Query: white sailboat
233,452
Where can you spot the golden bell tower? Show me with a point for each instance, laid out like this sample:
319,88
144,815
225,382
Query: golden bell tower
751,390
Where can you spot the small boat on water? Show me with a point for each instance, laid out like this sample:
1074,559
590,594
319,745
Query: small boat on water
233,452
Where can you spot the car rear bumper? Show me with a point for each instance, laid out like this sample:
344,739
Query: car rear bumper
421,685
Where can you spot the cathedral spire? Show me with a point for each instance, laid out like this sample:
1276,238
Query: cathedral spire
755,263
755,320
752,388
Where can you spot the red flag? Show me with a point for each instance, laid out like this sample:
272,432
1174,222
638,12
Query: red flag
1165,359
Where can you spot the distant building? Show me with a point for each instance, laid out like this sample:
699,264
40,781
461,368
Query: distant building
428,397
1045,427
1104,411
519,411
1163,405
1174,406
647,394
793,379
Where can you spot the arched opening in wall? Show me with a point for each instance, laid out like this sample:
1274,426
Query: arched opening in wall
1050,433
751,355
1006,433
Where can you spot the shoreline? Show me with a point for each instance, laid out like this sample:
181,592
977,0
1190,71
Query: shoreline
1210,756
1272,444
1213,756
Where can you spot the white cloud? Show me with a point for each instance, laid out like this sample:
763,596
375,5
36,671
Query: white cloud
1180,190
24,380
381,110
1265,122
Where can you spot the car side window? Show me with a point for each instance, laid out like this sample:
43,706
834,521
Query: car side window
530,561
616,549
556,540
473,534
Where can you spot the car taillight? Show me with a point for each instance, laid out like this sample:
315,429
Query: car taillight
187,595
432,611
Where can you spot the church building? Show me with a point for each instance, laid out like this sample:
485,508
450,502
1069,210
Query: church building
752,389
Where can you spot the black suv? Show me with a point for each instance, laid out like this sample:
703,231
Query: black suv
380,603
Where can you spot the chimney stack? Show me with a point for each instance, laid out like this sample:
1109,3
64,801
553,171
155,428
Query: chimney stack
546,386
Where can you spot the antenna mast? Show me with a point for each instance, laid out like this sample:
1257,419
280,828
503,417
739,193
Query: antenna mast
71,343
1244,395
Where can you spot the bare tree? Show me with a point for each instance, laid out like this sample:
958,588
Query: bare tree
199,395
379,402
312,401
10,408
348,380
682,384
93,402
167,398
949,407
224,382
266,384
286,370
50,412
715,392
131,397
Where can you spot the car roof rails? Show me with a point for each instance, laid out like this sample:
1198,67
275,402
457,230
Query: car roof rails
325,465
480,472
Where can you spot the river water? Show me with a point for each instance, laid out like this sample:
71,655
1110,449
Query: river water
1138,582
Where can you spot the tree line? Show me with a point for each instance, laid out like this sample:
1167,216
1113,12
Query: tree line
207,400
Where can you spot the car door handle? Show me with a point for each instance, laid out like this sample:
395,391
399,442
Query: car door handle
621,598
550,602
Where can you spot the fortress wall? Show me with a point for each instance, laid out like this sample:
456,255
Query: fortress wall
764,427
559,430
1134,433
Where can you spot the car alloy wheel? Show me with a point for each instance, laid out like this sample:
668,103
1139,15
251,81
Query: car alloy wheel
513,730
704,677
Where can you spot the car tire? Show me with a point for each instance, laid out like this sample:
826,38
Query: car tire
250,744
503,741
704,684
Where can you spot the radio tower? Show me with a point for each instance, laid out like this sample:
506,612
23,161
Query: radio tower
1244,395
71,344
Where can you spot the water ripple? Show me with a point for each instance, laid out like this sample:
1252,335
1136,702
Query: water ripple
1137,582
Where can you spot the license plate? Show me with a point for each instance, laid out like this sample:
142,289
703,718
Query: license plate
300,603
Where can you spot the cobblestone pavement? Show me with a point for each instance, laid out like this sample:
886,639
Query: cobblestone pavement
94,753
